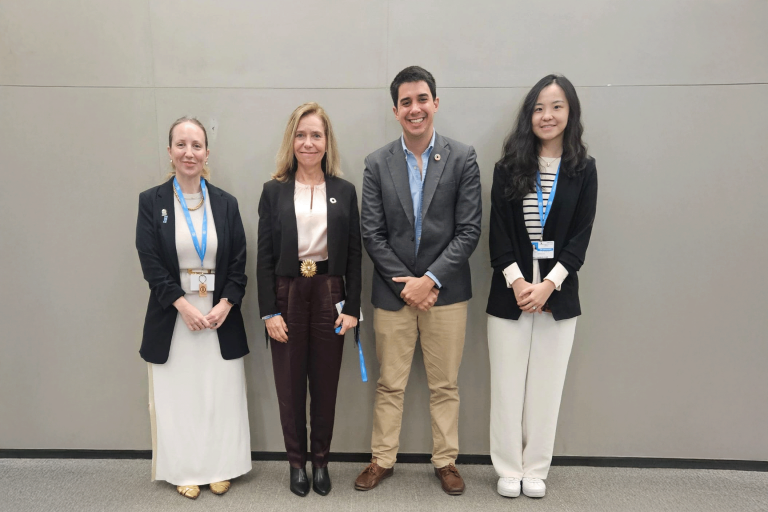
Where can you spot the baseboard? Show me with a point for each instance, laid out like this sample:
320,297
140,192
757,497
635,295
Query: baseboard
421,458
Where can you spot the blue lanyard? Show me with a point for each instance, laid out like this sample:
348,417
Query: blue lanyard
200,252
544,212
363,371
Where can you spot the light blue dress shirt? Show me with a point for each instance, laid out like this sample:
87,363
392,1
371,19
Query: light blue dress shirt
416,183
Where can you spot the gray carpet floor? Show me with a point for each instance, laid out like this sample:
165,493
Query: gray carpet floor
123,485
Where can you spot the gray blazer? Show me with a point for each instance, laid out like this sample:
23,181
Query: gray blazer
451,214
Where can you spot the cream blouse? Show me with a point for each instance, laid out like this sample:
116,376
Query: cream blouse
311,221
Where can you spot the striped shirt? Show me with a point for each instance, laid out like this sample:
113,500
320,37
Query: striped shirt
533,225
531,200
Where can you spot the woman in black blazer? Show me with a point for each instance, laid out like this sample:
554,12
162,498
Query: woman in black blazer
545,179
308,263
191,246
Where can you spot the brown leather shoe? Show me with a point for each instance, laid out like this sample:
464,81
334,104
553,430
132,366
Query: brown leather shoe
450,479
371,476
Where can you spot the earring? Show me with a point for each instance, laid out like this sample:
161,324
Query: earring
206,162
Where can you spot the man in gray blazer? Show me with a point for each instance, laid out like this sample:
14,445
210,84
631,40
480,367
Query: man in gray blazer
420,220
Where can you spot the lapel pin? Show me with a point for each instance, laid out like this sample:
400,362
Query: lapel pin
164,213
332,200
437,157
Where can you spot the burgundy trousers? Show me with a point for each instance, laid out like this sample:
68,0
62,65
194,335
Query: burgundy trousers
312,353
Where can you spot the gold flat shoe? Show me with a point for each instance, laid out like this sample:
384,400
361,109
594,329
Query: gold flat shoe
220,487
189,491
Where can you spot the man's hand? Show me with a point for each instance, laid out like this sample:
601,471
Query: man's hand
429,301
416,289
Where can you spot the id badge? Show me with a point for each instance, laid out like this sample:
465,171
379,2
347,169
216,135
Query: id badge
543,250
195,280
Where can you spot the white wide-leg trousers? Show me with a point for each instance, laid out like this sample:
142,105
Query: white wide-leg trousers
529,358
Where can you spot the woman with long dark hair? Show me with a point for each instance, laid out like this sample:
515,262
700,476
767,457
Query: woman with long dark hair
543,204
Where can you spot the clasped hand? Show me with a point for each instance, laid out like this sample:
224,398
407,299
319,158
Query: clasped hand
531,297
419,292
196,321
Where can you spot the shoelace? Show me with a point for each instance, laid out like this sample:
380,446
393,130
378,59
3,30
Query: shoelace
452,469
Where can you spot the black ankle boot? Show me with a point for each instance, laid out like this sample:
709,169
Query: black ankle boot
321,480
299,481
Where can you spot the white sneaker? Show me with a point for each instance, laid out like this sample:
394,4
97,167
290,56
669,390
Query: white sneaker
509,487
534,487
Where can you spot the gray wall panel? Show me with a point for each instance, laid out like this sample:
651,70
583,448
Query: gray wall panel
669,355
666,283
69,376
506,44
269,44
68,42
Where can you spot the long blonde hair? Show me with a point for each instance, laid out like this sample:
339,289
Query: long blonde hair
196,122
286,160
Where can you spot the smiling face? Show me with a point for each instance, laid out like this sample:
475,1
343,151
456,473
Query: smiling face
309,142
550,114
187,150
416,109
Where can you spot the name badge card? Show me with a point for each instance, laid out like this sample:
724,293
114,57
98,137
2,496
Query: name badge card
202,283
543,250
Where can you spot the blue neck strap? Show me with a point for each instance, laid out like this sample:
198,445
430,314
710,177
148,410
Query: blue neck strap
200,250
544,212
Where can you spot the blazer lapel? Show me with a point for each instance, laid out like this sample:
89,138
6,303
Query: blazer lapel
399,171
435,169
165,201
566,188
333,225
289,236
219,211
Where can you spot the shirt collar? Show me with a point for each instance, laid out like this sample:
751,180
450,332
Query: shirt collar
429,148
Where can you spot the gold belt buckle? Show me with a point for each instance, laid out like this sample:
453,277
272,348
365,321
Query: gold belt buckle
308,268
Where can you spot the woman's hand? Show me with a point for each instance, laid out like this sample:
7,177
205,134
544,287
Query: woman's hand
346,322
277,329
193,318
518,286
218,314
533,297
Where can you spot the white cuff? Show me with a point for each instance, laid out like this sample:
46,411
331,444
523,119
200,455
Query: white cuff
512,273
557,275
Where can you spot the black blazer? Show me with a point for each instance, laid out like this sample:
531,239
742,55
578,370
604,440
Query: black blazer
569,224
278,253
156,243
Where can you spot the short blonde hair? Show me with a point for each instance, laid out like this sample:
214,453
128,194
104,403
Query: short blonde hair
196,122
286,160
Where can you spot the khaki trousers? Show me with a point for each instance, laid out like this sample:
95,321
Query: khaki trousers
441,330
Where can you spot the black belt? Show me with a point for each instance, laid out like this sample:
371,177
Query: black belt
309,268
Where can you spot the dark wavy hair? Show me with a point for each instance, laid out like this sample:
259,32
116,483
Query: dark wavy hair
520,152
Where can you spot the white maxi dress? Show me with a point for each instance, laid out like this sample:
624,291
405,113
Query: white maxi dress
197,400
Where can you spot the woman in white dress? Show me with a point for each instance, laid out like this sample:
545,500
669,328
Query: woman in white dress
191,245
